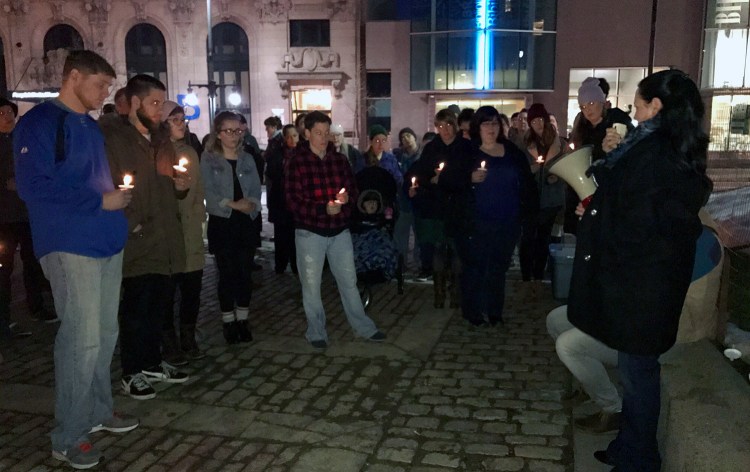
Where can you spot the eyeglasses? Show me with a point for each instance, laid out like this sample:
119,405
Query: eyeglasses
587,105
231,131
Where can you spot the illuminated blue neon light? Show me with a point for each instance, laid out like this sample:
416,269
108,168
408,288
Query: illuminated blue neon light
483,45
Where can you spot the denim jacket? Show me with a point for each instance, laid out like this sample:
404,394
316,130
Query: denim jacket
218,182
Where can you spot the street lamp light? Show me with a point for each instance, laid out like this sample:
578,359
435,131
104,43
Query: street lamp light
234,98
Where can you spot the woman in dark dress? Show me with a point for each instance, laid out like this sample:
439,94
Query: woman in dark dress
490,191
635,251
232,186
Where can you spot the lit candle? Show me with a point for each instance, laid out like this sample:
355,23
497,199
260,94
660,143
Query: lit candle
572,147
181,166
127,182
540,159
440,167
413,181
482,165
343,190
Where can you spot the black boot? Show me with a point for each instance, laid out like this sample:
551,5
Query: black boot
243,332
230,332
188,344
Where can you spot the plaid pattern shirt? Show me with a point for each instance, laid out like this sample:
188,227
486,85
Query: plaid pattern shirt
311,182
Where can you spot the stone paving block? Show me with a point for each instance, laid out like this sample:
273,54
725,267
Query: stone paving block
329,460
395,454
506,464
542,429
383,468
538,452
443,460
545,466
487,449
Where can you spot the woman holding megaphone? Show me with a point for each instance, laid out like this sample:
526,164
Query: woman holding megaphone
635,250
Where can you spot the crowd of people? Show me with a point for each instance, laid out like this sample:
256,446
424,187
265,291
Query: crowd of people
471,193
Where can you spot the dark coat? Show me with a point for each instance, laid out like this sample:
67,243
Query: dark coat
455,181
635,250
276,161
430,201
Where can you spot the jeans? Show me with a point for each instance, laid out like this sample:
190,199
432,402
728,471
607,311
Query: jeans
635,448
586,358
485,257
144,302
190,284
312,251
12,235
86,292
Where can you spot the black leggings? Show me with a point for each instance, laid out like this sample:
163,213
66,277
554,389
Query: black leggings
235,284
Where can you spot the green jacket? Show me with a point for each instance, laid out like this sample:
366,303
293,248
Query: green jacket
155,243
192,210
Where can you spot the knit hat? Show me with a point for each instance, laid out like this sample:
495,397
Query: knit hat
404,131
376,130
590,92
168,108
337,129
535,111
4,102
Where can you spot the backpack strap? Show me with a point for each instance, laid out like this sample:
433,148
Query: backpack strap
60,138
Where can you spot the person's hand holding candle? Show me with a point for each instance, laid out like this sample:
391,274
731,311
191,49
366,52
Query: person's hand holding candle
478,175
127,182
342,197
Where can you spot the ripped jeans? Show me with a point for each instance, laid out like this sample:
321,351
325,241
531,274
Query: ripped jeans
312,250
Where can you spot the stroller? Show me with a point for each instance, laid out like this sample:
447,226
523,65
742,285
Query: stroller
375,255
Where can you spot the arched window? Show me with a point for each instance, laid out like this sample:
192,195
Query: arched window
62,37
231,64
146,52
3,83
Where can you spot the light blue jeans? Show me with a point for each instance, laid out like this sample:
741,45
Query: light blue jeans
586,358
87,295
312,250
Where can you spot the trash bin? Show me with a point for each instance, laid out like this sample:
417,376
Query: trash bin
562,268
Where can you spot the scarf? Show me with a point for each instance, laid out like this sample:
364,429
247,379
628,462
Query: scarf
643,129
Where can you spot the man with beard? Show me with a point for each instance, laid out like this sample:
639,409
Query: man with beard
155,246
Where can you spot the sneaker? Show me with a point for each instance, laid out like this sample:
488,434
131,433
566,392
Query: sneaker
82,456
378,337
45,315
119,423
137,386
165,372
319,344
599,423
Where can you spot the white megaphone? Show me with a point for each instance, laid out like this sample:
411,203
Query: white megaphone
572,169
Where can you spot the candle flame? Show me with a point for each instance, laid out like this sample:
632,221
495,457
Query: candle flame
183,162
127,179
343,190
413,180
482,164
572,146
442,164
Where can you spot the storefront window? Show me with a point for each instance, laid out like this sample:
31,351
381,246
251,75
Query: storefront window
725,58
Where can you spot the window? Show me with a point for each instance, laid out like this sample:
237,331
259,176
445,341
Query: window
231,64
146,52
379,99
62,37
306,99
489,45
309,33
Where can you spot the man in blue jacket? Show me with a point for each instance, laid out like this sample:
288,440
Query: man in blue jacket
79,231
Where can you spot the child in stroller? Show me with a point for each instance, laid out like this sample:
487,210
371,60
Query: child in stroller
375,255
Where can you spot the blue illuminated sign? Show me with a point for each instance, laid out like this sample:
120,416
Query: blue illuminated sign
192,112
485,21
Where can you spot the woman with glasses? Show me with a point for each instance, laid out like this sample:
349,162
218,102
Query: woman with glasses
491,191
430,203
233,193
543,145
192,213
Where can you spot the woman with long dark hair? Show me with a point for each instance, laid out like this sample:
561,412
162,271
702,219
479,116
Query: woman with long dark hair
543,145
490,192
233,191
635,250
285,252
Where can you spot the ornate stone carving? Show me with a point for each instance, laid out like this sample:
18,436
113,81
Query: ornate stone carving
98,10
140,9
224,12
273,11
311,59
183,36
46,72
341,9
17,8
57,10
182,11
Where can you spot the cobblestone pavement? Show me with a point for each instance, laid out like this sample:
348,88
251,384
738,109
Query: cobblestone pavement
438,395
